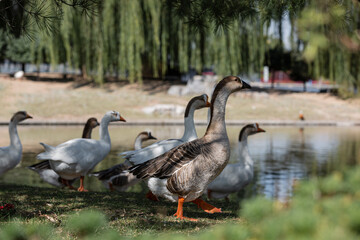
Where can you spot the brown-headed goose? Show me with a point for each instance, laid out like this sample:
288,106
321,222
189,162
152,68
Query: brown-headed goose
77,157
10,156
160,147
50,176
236,176
183,173
116,177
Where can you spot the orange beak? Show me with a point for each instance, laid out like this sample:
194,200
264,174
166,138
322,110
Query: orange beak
260,130
122,119
28,116
208,104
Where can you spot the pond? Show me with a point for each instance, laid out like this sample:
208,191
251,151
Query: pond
281,155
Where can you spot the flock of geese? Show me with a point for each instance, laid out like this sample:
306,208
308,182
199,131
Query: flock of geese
180,170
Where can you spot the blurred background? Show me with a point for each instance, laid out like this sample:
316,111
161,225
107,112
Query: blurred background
269,41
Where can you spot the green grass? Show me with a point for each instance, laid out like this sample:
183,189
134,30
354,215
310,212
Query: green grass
322,208
128,214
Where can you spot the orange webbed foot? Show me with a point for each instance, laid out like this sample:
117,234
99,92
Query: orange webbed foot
82,189
179,212
186,218
206,206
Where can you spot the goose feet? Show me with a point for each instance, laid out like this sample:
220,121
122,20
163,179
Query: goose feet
179,212
81,188
206,206
209,194
151,196
111,187
66,183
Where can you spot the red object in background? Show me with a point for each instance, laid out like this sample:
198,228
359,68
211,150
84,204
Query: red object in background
7,206
280,77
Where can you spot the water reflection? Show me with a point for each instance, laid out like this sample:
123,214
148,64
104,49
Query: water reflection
281,155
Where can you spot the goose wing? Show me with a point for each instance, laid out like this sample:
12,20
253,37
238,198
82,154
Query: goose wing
168,163
75,150
110,172
152,151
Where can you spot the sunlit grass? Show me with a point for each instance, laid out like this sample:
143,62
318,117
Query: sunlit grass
321,208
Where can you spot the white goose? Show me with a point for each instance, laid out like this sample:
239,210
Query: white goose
10,156
50,176
76,157
236,176
116,177
183,173
160,147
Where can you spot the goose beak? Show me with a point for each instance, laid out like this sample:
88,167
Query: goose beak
28,116
151,137
208,104
245,85
122,119
261,130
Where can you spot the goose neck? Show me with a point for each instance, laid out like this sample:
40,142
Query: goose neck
217,118
103,130
138,143
244,155
190,131
14,136
87,132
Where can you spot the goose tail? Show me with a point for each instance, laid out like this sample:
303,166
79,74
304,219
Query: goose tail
47,154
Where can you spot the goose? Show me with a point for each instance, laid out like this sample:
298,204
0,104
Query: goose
160,147
116,177
76,157
50,176
183,173
235,176
10,156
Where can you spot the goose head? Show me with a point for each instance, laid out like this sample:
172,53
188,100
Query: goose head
197,102
231,84
248,130
20,116
92,123
148,136
89,126
114,116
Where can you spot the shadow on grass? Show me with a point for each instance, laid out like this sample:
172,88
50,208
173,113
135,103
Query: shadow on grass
128,209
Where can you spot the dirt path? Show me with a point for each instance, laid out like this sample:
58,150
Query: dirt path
68,102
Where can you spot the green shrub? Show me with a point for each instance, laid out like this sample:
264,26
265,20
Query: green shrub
256,209
86,223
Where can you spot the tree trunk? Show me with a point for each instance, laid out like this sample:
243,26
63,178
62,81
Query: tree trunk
83,72
272,78
23,67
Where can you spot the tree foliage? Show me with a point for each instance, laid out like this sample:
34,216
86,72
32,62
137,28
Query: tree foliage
135,39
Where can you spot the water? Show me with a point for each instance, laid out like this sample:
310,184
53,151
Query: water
282,155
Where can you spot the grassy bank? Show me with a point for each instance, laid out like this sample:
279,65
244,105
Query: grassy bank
326,208
129,214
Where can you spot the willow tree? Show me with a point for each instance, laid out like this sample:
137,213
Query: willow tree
329,30
135,39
